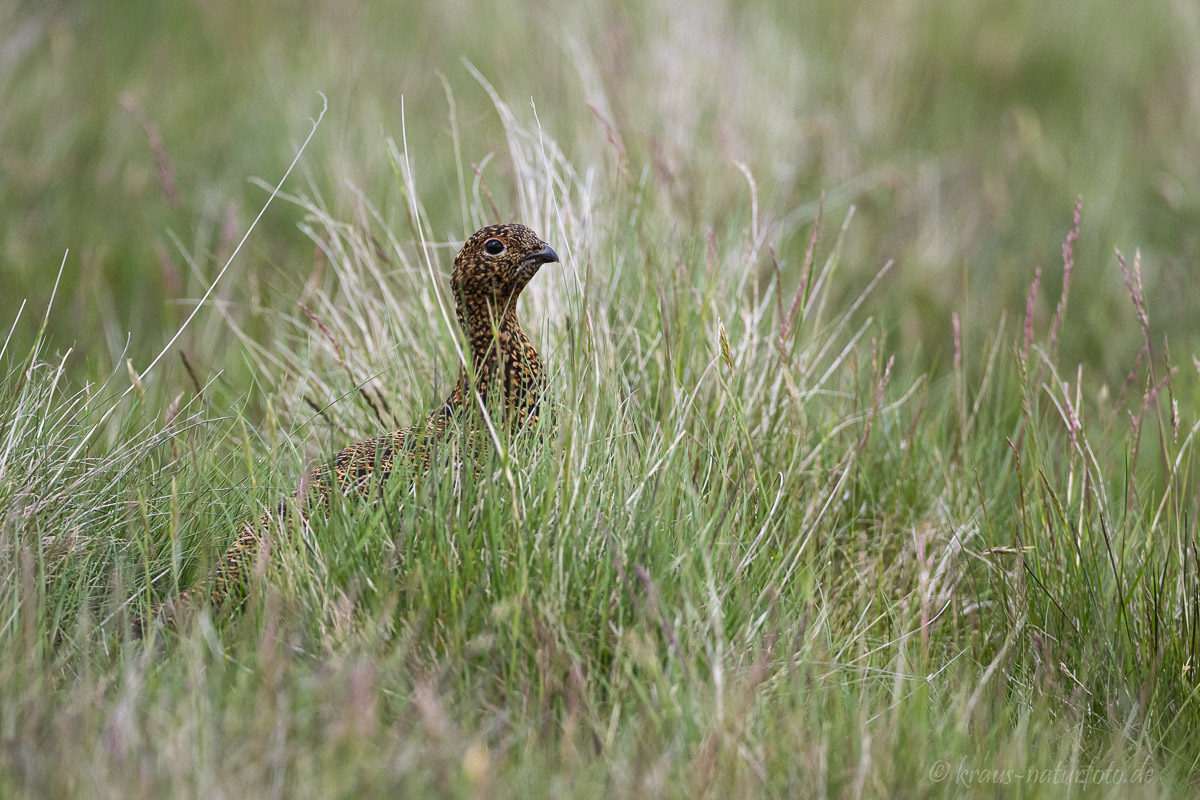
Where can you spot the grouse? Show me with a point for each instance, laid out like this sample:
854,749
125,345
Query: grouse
504,378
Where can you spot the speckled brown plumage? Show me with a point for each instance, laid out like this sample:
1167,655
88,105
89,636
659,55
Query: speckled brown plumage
505,376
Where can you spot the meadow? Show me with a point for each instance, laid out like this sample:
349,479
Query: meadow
872,468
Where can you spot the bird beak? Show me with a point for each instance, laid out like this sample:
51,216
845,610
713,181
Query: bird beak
544,257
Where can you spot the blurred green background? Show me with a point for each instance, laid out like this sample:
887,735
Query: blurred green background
962,131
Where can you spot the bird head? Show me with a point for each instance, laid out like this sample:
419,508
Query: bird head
496,263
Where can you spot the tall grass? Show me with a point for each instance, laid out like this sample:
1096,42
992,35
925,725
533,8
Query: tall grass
754,553
762,548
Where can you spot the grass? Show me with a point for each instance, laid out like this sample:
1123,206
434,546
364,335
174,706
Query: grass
808,522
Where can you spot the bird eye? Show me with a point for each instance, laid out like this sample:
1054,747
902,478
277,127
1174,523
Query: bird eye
494,247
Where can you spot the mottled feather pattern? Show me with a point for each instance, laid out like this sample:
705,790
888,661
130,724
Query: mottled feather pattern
504,376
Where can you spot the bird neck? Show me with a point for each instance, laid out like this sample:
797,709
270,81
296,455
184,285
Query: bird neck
505,370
